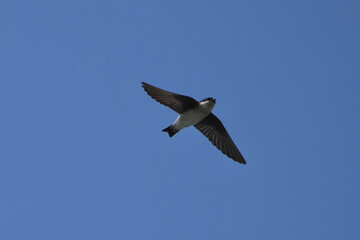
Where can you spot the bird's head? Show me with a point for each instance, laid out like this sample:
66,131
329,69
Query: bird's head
208,103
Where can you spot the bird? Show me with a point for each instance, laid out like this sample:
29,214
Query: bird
197,114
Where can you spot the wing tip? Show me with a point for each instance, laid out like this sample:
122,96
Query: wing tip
241,161
147,87
239,158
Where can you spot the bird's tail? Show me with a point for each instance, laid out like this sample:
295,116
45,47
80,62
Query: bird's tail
170,130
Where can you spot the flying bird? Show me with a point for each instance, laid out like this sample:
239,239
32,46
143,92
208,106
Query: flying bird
199,115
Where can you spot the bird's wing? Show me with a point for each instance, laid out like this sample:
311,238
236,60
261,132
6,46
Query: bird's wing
215,131
178,103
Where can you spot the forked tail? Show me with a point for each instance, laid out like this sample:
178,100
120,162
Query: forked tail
170,130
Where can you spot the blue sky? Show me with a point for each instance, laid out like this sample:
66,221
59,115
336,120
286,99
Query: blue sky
82,154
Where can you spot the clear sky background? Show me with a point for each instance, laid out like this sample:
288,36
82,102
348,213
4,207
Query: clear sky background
82,155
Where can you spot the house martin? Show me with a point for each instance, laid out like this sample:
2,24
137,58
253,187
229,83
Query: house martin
199,115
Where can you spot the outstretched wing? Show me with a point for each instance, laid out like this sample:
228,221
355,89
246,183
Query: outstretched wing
215,131
178,103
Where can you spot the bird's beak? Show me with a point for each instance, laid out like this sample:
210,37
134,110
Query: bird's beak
214,100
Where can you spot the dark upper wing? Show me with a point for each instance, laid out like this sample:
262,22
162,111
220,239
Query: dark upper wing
178,103
215,131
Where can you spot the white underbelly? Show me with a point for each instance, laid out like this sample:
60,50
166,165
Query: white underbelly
189,118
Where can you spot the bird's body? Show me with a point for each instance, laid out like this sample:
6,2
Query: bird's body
199,115
193,116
